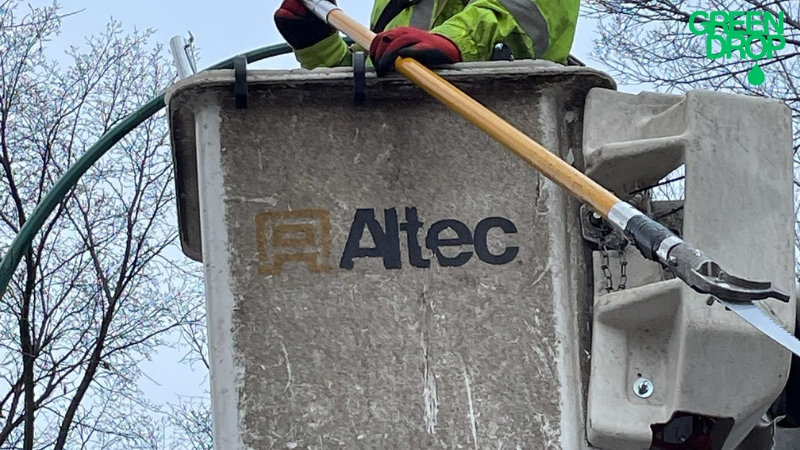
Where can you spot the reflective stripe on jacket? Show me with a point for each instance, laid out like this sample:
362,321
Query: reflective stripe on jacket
532,29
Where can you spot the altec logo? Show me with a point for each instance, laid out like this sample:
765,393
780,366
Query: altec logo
305,236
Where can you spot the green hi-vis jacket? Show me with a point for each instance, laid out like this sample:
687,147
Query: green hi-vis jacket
531,29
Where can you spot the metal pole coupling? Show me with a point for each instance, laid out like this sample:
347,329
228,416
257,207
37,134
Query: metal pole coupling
320,7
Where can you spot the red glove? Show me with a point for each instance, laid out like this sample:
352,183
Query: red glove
427,48
299,26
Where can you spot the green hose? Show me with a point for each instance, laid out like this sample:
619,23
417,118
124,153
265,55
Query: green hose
56,195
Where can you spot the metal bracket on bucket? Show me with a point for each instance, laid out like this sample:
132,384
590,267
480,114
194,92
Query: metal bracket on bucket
359,77
599,232
240,81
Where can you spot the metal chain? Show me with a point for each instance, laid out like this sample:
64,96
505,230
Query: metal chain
623,279
623,270
604,265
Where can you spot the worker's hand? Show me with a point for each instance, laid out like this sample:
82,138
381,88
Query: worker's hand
428,48
299,26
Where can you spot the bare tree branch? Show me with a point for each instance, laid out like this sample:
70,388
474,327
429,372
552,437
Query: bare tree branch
96,293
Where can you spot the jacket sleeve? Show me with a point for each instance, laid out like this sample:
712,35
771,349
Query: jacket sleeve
330,52
541,29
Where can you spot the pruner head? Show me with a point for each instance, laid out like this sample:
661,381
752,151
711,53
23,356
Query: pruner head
705,276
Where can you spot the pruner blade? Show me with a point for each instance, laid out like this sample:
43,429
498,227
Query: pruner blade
705,276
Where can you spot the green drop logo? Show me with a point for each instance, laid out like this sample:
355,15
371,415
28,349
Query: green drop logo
755,76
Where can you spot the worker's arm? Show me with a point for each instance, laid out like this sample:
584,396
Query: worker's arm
330,52
532,29
541,29
315,43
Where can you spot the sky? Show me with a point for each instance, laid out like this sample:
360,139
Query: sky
221,30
